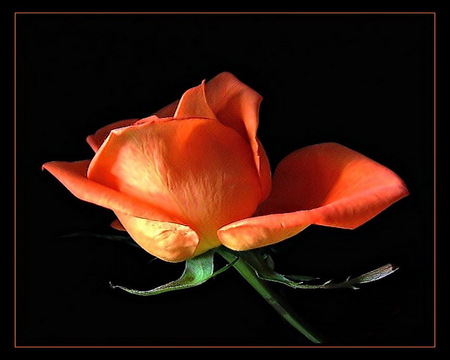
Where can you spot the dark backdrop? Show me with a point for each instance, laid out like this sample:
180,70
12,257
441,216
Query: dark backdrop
365,81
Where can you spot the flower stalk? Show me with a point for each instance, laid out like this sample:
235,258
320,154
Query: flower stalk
242,266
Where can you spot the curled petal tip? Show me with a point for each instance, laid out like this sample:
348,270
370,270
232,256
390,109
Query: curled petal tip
92,142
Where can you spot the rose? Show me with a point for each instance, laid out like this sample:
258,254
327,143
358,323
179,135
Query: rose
194,176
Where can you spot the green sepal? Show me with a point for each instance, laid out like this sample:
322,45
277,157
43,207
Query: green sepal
264,269
196,272
263,265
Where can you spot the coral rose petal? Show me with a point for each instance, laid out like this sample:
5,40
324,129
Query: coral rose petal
73,176
167,111
234,104
167,241
326,184
117,225
265,173
193,104
237,105
97,139
197,170
261,231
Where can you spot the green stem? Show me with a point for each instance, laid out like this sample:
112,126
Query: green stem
248,273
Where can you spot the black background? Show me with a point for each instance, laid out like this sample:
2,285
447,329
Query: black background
365,81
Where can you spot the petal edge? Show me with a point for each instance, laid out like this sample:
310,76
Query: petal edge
73,176
326,184
168,241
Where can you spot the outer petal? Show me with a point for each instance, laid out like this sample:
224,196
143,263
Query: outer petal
167,241
326,184
73,176
237,105
148,226
197,170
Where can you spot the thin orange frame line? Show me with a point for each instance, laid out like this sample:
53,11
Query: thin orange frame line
228,13
224,12
15,182
435,174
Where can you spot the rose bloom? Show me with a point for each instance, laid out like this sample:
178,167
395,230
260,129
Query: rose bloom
194,176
